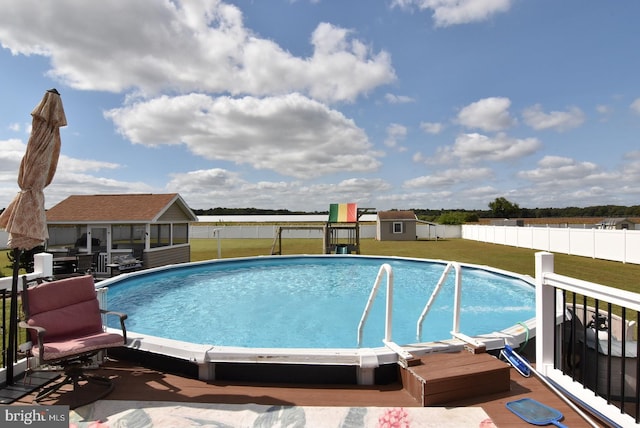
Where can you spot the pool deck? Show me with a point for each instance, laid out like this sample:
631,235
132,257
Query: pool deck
135,382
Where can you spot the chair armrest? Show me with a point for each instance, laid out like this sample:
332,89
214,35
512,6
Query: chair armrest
41,331
122,317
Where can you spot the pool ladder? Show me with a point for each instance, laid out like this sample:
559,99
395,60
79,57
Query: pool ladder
388,342
385,268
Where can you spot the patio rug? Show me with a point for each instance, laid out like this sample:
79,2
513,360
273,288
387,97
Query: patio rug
139,414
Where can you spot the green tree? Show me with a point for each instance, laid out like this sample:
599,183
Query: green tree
452,217
26,258
502,208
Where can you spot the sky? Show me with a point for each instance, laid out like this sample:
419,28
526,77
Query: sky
297,104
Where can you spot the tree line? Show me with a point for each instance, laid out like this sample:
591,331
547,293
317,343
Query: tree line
498,208
250,211
503,208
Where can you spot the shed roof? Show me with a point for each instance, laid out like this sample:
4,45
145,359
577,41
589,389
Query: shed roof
116,208
396,215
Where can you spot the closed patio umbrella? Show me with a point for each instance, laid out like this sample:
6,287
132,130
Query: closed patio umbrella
25,217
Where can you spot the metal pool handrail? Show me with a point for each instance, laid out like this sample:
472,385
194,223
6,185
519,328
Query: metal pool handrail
385,268
434,294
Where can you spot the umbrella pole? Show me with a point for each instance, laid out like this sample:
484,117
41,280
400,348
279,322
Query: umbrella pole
13,317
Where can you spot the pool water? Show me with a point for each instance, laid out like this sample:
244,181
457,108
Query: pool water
312,302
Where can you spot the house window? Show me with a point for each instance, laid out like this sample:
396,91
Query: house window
62,235
160,235
127,235
180,233
397,227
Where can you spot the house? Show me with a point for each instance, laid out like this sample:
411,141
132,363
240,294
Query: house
396,226
617,223
153,228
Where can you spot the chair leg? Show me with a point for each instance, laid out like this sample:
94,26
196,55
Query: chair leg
74,375
53,388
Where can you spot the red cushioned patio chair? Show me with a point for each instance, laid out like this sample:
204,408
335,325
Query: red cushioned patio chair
65,326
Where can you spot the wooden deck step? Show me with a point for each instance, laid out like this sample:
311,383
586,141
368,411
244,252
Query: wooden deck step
447,377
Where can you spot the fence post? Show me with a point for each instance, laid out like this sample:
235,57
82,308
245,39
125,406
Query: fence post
545,313
43,264
624,254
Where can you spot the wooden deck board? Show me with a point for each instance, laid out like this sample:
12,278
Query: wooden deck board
133,382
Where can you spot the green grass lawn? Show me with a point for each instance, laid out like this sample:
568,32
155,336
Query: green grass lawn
512,259
519,260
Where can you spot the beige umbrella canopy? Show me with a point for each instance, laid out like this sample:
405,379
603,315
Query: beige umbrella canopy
25,217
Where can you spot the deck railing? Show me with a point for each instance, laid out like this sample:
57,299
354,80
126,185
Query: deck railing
587,342
43,266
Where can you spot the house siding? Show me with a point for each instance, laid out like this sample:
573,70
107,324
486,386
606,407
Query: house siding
385,224
174,213
385,229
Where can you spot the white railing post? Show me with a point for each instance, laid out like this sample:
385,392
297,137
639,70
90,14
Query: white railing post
216,233
545,313
43,264
389,314
624,246
457,298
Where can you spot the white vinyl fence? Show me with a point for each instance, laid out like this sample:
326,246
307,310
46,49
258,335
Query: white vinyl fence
367,231
617,245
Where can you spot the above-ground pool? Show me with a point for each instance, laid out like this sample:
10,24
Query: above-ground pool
312,301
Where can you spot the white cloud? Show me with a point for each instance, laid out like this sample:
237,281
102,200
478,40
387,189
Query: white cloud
557,120
68,164
472,148
72,173
563,181
635,106
395,133
219,187
208,181
556,172
631,167
554,168
488,114
11,154
14,127
453,12
418,157
151,46
88,184
291,135
432,127
441,197
398,99
449,178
